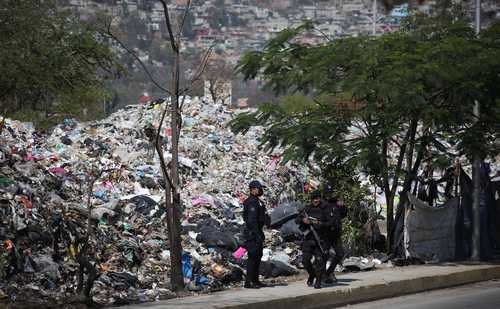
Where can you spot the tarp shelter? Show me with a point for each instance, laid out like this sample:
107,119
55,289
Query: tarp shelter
429,232
444,233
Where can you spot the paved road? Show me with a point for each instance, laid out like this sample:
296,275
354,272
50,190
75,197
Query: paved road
484,295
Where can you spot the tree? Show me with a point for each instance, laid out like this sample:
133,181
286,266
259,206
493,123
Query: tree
51,64
173,107
171,170
216,76
381,105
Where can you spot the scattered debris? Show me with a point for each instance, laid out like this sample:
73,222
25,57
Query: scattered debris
43,206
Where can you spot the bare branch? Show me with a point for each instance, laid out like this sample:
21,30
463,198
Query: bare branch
158,147
130,52
175,48
160,125
203,65
163,164
395,141
186,11
324,34
199,71
181,107
360,127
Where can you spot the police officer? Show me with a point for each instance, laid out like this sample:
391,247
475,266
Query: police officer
316,221
338,212
255,217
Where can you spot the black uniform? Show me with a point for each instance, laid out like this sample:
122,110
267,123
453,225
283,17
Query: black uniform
310,247
335,236
255,217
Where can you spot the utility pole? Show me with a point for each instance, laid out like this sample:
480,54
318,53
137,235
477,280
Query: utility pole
476,167
478,16
374,23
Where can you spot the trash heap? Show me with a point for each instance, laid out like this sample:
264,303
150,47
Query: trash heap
47,183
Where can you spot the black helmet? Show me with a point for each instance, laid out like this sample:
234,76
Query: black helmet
255,184
315,194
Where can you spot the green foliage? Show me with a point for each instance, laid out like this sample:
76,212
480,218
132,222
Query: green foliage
345,185
430,73
297,125
383,104
51,64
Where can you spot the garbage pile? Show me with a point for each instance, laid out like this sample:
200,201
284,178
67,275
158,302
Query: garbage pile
48,183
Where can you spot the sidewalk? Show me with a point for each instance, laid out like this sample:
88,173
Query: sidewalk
351,288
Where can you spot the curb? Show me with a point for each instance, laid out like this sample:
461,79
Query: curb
352,288
334,298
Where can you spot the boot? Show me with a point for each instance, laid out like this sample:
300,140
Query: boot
250,285
310,280
260,284
311,272
317,283
331,279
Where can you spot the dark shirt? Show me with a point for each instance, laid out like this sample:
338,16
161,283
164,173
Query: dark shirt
254,215
338,212
322,214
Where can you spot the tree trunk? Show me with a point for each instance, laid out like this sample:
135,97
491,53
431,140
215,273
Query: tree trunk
177,279
392,191
476,178
476,209
389,197
409,178
390,217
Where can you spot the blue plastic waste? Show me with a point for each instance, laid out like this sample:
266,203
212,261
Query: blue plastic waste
187,269
201,280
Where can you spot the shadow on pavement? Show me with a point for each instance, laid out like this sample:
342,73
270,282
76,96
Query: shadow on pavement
340,282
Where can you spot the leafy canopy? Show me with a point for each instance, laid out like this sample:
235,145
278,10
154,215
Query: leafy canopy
380,105
51,64
366,90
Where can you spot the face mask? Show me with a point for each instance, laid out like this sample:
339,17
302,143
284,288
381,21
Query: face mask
261,192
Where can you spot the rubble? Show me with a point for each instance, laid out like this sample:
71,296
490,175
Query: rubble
44,190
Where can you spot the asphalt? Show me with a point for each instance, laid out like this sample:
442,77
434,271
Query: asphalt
351,288
483,295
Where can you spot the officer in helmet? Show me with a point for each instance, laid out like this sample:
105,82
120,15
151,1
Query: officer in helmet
255,217
316,221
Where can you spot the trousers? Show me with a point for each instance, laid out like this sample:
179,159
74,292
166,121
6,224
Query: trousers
255,248
311,249
339,255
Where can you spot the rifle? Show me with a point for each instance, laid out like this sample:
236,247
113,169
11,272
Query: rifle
315,234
